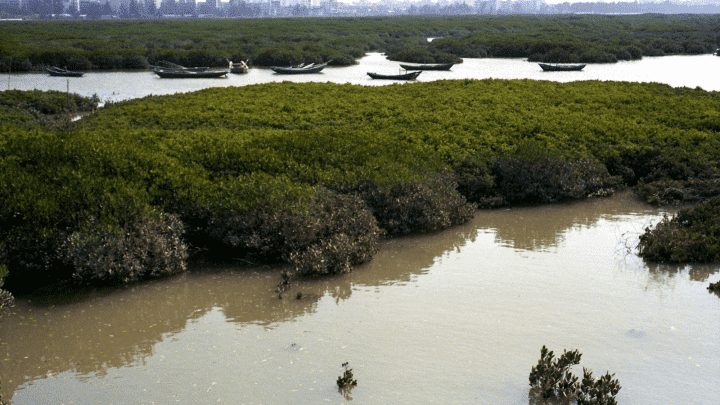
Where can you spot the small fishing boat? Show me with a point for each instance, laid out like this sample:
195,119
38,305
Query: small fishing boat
402,76
56,71
560,68
293,70
434,66
164,65
189,74
238,68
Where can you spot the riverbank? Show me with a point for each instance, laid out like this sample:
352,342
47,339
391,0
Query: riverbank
315,174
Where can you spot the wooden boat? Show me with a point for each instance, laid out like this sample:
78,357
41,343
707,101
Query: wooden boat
238,67
293,70
560,68
56,71
189,74
402,76
434,66
164,65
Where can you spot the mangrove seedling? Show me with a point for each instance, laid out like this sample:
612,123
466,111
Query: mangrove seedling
552,378
284,285
345,381
714,287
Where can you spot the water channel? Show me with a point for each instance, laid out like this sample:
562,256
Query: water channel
454,317
677,71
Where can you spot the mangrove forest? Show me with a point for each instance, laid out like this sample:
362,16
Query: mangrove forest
315,175
136,44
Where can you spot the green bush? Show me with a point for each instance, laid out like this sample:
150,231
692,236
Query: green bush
152,246
475,180
6,299
553,379
692,235
429,203
536,175
314,229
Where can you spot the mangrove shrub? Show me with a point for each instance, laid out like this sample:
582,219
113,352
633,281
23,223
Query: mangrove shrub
692,235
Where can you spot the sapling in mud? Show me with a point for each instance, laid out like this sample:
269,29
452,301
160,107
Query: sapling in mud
345,381
284,285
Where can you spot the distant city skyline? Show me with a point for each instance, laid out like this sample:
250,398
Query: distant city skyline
470,2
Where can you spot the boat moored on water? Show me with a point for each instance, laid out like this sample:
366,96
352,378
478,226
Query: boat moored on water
560,68
56,71
238,68
402,76
300,69
433,66
187,74
168,70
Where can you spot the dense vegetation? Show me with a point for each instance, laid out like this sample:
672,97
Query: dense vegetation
552,378
585,38
315,174
693,235
134,44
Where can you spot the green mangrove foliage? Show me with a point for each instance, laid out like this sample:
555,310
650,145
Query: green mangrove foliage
136,44
567,38
6,299
693,235
346,381
149,247
552,378
315,174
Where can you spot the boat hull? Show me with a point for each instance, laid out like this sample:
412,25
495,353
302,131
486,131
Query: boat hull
404,76
167,74
63,73
296,70
436,66
560,68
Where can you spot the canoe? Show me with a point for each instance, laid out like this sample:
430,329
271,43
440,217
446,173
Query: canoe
56,71
403,76
293,70
560,68
188,74
434,66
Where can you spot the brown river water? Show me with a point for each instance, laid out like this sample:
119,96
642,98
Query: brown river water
455,317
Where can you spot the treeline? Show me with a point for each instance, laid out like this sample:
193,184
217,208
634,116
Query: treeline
315,174
572,38
135,44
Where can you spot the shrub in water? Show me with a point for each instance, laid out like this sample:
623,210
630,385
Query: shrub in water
693,235
428,204
536,175
151,246
552,378
6,299
316,230
475,181
346,380
348,235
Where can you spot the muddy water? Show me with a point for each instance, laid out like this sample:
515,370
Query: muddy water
455,317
